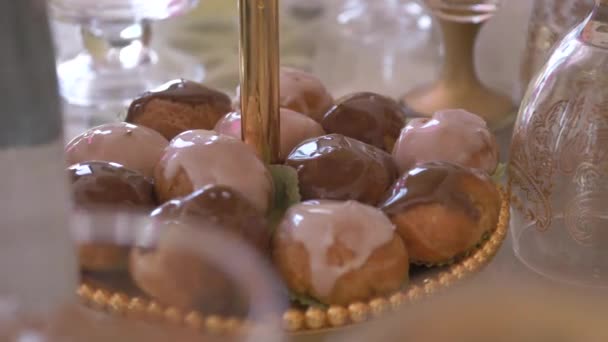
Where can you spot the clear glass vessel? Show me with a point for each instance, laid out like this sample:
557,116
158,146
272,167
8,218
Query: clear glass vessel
209,32
180,271
458,85
559,160
382,46
118,63
466,11
550,20
301,27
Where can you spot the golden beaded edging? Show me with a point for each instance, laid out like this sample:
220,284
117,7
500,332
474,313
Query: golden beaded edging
312,319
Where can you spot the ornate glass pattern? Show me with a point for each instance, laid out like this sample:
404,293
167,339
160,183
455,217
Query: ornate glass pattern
559,160
550,20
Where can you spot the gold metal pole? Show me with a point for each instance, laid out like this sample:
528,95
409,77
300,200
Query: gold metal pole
259,72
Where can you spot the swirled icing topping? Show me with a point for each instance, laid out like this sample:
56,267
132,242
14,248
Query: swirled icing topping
319,225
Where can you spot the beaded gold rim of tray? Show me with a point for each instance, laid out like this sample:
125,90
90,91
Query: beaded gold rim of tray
312,319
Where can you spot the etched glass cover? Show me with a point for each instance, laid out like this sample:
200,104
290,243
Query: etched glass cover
549,22
559,161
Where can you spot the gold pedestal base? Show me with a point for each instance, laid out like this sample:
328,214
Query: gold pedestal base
458,86
475,98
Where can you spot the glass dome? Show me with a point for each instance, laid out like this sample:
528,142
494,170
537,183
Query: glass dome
558,168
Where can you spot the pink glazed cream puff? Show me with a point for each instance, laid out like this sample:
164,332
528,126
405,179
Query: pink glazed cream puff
301,92
454,135
198,159
135,147
295,128
339,252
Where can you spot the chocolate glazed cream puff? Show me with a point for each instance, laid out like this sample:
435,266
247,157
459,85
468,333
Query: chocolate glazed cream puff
179,106
442,210
368,117
339,168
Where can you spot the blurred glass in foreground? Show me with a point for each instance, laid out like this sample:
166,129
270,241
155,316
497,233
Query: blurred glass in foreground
49,246
183,274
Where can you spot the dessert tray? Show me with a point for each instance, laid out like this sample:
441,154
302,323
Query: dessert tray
403,225
101,293
359,209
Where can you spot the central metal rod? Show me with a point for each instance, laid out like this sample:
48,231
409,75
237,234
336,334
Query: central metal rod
259,73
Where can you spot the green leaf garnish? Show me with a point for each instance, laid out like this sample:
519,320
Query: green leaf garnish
500,172
286,191
306,300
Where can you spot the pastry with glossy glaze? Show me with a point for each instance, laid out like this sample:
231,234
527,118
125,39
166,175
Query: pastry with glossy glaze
339,252
442,210
372,118
340,168
103,186
301,92
225,208
135,147
179,106
304,93
455,136
196,159
295,128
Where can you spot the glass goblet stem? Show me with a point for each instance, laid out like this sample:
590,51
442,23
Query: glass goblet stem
459,45
118,64
120,45
459,86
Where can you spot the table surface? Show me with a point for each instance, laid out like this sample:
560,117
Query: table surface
505,262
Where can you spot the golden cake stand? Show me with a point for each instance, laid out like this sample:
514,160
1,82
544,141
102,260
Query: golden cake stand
98,295
259,71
